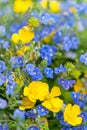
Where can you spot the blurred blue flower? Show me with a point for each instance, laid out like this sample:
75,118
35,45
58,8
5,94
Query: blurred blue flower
47,19
2,79
42,111
4,44
29,68
84,115
48,72
66,84
2,66
75,42
5,127
2,30
10,87
78,98
37,35
57,38
3,103
31,114
67,44
45,31
17,61
18,114
1,128
47,53
36,74
60,69
59,115
83,58
33,128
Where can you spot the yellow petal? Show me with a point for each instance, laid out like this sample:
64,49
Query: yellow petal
44,3
78,86
26,103
15,38
25,34
21,6
47,104
36,91
55,92
76,110
26,92
54,6
56,104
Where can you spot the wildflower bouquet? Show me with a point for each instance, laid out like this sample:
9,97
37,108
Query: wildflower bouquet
43,65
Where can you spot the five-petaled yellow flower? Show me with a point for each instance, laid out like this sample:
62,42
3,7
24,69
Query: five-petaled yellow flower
25,35
71,115
38,90
21,6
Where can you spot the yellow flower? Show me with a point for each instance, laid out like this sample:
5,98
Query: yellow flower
71,115
22,50
21,6
44,3
25,34
15,38
52,102
54,6
78,86
26,104
36,91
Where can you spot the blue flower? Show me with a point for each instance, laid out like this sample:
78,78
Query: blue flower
84,115
10,79
33,128
37,36
45,32
67,44
29,68
18,114
47,53
59,115
2,66
31,114
48,72
75,42
5,127
57,38
4,44
17,61
34,72
2,79
42,111
2,30
46,19
78,98
10,88
66,84
1,128
37,74
83,58
3,103
60,69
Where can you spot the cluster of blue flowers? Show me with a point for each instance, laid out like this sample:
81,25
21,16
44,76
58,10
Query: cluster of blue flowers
55,56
